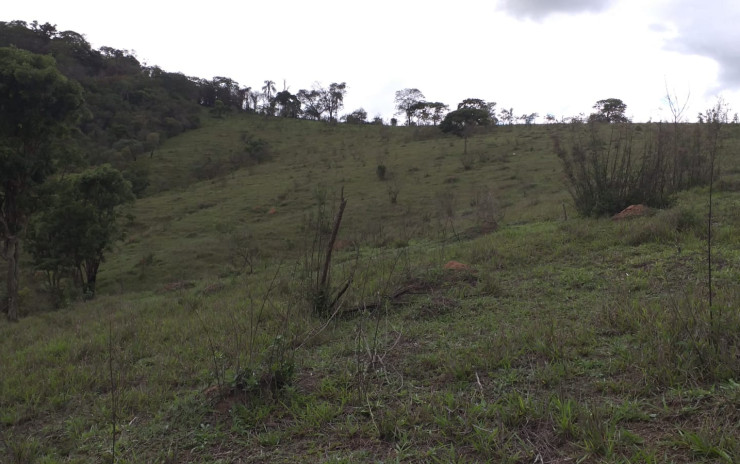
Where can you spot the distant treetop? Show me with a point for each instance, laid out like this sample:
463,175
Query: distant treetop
609,110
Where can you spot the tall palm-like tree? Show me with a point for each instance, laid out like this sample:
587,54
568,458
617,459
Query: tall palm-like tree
269,89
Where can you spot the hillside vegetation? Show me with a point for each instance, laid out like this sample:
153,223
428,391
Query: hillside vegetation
555,339
511,174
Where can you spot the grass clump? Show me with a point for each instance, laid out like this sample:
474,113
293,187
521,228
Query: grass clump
683,340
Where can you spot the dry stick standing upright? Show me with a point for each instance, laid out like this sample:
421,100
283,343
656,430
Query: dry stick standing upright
714,128
332,239
327,303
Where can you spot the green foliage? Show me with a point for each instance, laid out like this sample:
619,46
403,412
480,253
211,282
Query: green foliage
257,150
219,109
123,98
274,371
460,122
38,102
478,104
289,106
137,174
78,224
425,112
38,106
358,116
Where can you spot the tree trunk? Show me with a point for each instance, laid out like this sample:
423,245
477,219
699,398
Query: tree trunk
12,249
91,274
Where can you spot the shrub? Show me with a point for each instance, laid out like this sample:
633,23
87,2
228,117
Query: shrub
380,171
258,150
607,174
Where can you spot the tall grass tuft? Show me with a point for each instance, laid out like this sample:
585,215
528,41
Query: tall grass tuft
683,340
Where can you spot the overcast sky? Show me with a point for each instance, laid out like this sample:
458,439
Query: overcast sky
544,56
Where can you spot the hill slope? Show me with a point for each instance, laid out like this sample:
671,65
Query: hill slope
555,340
512,174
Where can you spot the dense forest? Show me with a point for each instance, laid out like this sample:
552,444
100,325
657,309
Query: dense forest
129,108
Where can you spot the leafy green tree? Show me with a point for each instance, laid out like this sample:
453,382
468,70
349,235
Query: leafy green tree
438,110
477,103
406,100
609,110
79,224
462,121
227,91
219,109
528,119
288,104
425,112
507,116
358,116
38,105
334,99
268,90
419,113
313,103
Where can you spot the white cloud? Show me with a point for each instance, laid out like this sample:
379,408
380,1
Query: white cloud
710,29
540,9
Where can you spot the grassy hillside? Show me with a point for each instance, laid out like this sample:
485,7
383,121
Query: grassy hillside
559,340
515,168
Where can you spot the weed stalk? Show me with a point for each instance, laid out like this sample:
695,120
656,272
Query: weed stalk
113,398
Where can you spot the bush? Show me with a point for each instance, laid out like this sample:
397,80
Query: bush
258,150
138,175
380,171
629,167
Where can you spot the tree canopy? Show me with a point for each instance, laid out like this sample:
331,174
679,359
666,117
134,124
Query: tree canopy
462,121
609,110
78,224
406,100
459,122
38,105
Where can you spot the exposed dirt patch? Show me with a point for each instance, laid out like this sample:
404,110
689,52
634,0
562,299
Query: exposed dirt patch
631,212
457,266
